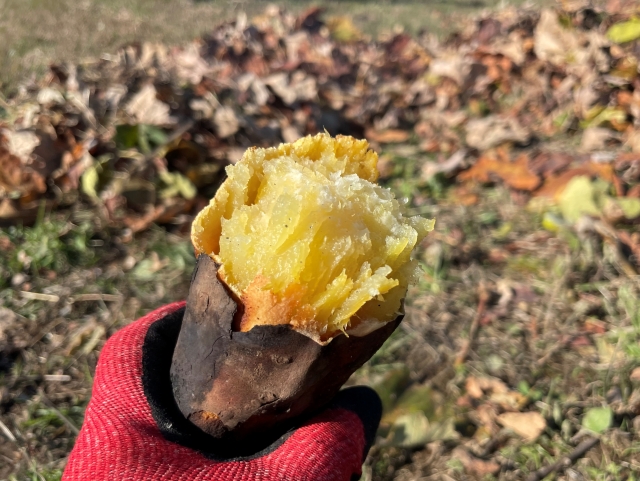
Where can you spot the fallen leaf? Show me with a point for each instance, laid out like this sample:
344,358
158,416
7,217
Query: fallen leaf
599,115
477,387
450,64
279,83
188,64
512,47
509,400
548,163
413,430
598,420
553,42
90,179
634,192
515,174
176,184
50,96
595,326
226,122
463,195
234,154
608,354
554,185
623,32
343,30
618,208
290,133
635,375
20,143
304,86
529,425
11,171
385,166
578,199
453,163
494,130
389,136
17,176
476,467
633,141
473,388
145,108
596,138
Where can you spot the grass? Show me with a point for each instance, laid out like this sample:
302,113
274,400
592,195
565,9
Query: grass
521,347
58,333
37,32
87,284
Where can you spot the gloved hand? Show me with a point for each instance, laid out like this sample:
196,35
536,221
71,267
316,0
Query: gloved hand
133,429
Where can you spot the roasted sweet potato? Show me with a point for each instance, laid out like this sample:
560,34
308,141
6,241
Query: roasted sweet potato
304,262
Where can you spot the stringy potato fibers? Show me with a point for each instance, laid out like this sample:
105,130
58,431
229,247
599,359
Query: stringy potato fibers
304,236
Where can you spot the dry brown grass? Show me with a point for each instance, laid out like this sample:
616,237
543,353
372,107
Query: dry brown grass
35,33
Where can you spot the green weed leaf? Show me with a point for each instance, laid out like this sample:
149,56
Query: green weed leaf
577,199
624,31
93,177
598,420
176,183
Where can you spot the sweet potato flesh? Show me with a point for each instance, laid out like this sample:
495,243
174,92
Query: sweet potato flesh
305,237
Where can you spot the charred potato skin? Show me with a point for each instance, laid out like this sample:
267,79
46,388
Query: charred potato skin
239,385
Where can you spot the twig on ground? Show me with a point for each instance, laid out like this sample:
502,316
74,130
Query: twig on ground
95,297
56,377
7,432
38,296
565,461
483,295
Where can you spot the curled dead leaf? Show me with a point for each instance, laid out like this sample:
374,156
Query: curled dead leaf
475,466
515,174
145,108
529,425
477,387
494,130
226,122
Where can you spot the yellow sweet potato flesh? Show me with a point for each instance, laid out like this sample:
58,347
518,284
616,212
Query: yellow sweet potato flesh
305,237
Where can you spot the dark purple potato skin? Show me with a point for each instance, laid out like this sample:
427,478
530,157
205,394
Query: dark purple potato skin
236,385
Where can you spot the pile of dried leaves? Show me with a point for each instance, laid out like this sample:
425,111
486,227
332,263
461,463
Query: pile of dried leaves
143,134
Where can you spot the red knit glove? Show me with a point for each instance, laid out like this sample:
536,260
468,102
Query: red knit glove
133,429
